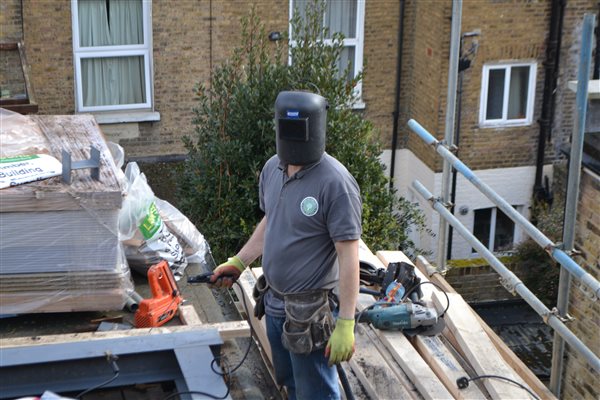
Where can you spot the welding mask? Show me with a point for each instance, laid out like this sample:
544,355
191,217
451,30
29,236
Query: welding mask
300,125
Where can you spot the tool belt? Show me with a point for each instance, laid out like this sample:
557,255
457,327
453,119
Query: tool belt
308,321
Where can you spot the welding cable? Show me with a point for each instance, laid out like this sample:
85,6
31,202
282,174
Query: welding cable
215,360
463,382
112,359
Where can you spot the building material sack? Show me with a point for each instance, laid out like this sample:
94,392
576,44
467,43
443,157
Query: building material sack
195,246
27,168
146,237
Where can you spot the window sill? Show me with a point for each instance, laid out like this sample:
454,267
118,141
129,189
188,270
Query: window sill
484,125
359,105
125,117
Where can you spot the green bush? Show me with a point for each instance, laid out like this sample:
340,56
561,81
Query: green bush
541,271
235,136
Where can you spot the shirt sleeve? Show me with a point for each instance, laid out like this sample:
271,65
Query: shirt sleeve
344,217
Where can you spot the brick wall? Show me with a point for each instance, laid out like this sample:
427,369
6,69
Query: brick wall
580,381
382,22
428,26
478,284
10,20
48,40
182,58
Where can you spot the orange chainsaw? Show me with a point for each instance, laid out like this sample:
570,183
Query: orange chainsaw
165,300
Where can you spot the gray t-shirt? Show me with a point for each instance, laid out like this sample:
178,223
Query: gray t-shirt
306,214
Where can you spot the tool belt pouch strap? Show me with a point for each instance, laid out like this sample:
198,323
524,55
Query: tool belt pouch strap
308,321
258,294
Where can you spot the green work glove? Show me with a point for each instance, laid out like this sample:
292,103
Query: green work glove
228,272
341,343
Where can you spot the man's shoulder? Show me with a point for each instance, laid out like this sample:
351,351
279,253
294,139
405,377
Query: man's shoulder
272,163
335,167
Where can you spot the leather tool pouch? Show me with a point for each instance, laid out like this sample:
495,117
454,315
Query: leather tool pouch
308,321
258,294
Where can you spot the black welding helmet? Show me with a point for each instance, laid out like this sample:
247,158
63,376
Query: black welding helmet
300,125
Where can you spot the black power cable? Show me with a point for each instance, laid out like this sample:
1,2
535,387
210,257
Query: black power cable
112,359
228,371
463,382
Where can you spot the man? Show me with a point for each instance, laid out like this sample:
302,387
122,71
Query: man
312,217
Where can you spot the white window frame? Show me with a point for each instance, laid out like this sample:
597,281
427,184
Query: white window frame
492,233
357,42
144,50
504,121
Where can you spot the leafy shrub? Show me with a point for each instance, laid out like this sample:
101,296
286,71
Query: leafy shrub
235,136
540,272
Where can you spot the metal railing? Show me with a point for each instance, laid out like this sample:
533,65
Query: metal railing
510,280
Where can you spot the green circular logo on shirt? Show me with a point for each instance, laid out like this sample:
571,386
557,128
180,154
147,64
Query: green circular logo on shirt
309,206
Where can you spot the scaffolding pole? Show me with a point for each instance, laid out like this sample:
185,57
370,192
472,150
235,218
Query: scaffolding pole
450,122
510,280
574,178
551,248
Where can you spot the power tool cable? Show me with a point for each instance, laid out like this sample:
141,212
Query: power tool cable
227,371
463,382
112,359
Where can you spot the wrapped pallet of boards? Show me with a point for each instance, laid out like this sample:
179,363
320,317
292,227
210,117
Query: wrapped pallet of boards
59,247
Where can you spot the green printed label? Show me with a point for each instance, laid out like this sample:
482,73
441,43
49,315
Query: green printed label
152,223
18,158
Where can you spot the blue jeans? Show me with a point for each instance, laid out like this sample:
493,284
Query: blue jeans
304,376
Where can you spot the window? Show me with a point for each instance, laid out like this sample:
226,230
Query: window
494,229
507,94
347,17
112,54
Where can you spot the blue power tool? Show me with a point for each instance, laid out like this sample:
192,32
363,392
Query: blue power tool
399,307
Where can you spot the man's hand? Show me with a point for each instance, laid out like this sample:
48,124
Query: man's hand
341,343
228,272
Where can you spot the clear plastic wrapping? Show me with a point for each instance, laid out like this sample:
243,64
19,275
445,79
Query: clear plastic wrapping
147,238
60,249
75,290
20,135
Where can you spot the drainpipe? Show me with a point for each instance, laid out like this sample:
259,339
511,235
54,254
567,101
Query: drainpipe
463,64
596,74
449,128
396,115
574,176
551,76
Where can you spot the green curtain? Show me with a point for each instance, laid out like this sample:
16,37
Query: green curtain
111,80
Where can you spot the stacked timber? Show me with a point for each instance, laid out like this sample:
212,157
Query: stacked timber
59,244
390,365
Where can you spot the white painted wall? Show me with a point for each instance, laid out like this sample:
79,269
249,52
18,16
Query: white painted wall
515,185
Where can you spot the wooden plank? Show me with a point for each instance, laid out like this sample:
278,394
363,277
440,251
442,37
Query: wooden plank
410,390
26,75
479,349
432,349
410,360
188,315
376,375
507,354
247,280
227,330
447,368
420,373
